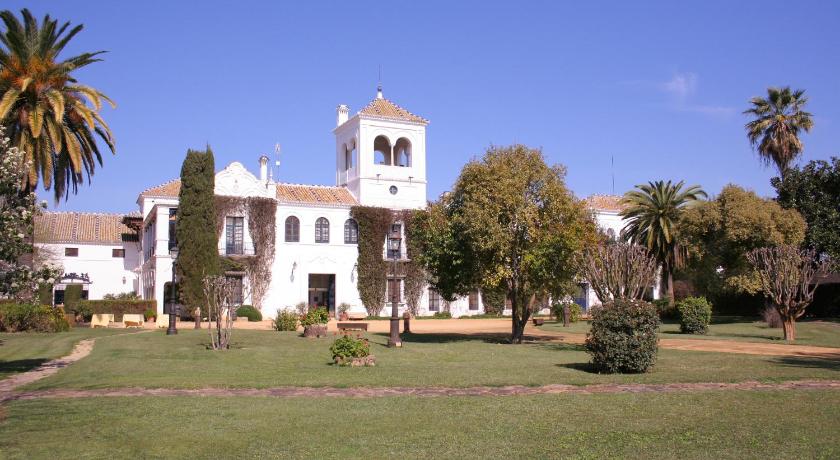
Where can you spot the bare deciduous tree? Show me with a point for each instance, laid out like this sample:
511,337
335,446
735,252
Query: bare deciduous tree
789,276
618,271
219,292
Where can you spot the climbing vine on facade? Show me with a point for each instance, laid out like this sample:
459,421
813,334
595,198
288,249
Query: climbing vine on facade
371,266
415,275
261,217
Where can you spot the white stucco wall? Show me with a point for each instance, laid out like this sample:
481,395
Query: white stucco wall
107,274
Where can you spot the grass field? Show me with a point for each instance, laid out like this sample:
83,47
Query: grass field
818,333
714,424
269,359
25,351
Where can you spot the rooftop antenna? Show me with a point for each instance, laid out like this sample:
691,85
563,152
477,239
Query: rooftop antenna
276,163
612,171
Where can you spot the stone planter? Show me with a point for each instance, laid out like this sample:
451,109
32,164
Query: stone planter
343,316
315,330
367,361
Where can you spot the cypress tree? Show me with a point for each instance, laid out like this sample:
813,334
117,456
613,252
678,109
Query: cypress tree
195,228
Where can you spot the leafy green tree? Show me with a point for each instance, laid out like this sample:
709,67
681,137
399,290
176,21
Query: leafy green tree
195,229
719,233
47,113
814,191
652,212
778,120
509,220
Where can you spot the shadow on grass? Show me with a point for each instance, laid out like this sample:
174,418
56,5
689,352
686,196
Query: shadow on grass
583,367
449,337
20,365
810,362
722,336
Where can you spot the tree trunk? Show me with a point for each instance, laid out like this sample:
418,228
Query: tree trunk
789,323
566,314
518,329
197,318
670,280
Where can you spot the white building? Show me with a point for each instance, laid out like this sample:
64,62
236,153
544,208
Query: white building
380,161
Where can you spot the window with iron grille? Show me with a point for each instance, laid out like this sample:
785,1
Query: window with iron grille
71,252
322,230
292,229
235,235
119,253
173,239
237,298
351,232
434,300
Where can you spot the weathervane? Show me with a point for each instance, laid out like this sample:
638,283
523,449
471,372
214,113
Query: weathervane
276,163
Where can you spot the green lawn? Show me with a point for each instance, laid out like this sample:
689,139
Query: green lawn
713,424
24,351
819,333
270,359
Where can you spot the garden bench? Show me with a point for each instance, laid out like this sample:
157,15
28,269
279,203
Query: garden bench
133,320
352,326
101,320
356,316
538,321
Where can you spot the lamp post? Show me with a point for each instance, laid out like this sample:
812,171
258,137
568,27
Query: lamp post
173,305
394,249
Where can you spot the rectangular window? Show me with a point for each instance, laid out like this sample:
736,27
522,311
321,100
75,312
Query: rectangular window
237,297
235,235
173,240
474,300
120,253
71,252
394,291
434,300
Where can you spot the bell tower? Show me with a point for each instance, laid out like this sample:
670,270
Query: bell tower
381,154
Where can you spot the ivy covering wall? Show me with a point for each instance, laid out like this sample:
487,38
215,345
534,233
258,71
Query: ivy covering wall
415,276
261,216
371,266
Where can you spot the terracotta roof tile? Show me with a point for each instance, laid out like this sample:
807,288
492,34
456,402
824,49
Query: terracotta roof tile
79,227
383,108
314,194
167,190
604,203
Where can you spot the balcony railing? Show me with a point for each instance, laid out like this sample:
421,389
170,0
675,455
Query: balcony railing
237,249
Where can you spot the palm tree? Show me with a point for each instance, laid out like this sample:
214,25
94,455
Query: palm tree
652,212
774,132
46,112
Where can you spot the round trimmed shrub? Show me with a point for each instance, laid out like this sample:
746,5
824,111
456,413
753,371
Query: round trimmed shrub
248,311
623,336
695,315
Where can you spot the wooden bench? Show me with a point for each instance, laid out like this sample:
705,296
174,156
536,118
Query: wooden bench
352,326
538,321
356,316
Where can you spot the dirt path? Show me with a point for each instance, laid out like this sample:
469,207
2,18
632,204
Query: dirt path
82,349
376,392
501,327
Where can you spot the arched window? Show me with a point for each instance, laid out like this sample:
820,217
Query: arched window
382,151
322,230
611,234
402,152
351,232
292,229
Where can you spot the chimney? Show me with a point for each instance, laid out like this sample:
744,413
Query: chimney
263,168
342,114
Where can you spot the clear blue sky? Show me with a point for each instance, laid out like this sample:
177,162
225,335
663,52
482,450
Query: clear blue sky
658,85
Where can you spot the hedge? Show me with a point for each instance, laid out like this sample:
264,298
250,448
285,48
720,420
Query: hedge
16,317
116,307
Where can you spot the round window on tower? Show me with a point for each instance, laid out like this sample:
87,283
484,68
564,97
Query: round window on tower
393,190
